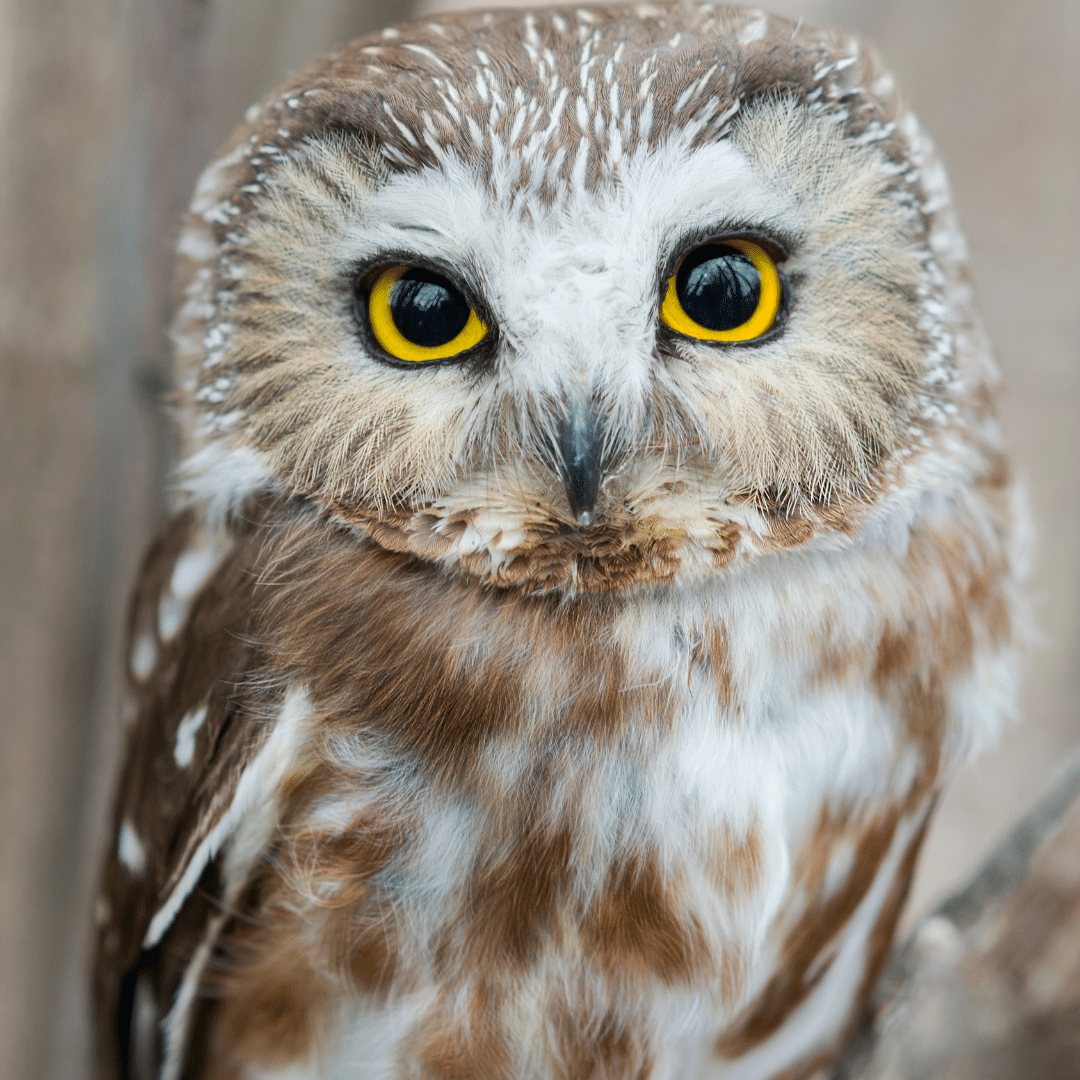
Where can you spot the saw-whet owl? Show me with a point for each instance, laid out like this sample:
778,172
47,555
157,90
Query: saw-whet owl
592,553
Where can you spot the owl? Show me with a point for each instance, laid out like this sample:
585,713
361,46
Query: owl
592,554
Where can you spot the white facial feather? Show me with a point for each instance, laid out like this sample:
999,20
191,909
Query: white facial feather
572,286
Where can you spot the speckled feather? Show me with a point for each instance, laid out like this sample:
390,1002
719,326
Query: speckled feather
428,779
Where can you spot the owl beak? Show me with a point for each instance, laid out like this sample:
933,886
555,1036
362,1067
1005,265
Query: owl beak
580,447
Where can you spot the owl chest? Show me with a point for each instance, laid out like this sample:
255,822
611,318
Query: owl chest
627,857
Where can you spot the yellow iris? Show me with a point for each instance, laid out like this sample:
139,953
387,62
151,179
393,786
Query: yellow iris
760,321
381,310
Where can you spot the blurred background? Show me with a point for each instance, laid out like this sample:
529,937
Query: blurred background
109,109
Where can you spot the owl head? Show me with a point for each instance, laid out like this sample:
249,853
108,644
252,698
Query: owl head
577,299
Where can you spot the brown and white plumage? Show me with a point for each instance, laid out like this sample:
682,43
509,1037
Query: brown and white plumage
436,773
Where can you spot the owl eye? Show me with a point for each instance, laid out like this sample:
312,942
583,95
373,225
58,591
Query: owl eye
418,315
726,291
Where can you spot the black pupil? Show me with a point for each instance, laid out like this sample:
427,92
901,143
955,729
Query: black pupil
427,309
718,287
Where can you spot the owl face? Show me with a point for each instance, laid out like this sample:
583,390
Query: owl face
653,294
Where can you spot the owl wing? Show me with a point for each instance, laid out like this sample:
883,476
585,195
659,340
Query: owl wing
197,730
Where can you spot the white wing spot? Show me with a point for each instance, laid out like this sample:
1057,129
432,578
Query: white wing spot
129,849
171,612
192,569
144,1019
255,795
184,750
175,1025
143,656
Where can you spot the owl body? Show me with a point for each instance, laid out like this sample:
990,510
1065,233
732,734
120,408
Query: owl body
573,703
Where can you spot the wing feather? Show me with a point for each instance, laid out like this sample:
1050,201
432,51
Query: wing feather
200,721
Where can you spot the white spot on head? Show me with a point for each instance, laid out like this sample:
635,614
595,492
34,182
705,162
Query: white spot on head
102,911
143,656
129,849
755,30
196,244
421,51
214,182
884,85
184,750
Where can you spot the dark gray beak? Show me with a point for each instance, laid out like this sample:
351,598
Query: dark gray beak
580,449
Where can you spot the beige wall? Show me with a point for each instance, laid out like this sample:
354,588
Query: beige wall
108,109
57,109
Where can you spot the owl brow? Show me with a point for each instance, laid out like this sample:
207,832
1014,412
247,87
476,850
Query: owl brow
461,273
780,243
426,230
